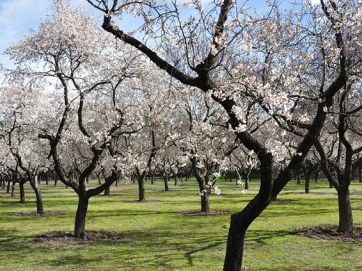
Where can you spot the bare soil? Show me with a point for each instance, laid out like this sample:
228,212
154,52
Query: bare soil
329,233
66,237
46,213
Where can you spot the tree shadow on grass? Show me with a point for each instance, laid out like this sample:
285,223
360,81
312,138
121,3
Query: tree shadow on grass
204,249
73,260
260,236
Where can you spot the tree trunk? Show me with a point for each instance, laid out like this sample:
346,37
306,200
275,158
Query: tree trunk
39,199
141,189
22,192
238,226
360,175
39,202
316,176
205,203
79,227
308,175
345,211
298,178
13,190
165,181
107,191
306,185
241,221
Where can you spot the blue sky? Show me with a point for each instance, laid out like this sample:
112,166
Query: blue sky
18,16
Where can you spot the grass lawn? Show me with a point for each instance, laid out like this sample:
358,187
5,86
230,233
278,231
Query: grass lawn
158,236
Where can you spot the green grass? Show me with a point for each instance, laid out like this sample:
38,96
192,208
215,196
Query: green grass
159,237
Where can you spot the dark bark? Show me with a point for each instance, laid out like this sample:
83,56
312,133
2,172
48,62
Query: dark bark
345,211
39,198
298,178
107,191
205,203
13,189
165,182
80,218
141,189
238,226
306,184
22,191
308,175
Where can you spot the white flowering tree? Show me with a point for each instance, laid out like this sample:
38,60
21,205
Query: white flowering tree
339,149
18,133
272,63
86,110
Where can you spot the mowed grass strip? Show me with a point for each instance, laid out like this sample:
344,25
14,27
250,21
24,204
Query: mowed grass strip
160,236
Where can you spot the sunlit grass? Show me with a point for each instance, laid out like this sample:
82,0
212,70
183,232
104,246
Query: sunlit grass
158,236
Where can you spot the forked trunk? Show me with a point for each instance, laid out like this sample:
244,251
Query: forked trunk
345,211
79,227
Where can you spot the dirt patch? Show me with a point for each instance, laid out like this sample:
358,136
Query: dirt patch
329,233
46,213
66,237
199,213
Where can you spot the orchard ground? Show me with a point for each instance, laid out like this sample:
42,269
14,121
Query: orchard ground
167,231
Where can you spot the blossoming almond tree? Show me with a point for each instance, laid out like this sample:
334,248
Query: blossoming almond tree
269,62
83,109
18,134
339,147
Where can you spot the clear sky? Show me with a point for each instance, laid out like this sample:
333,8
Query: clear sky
18,16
